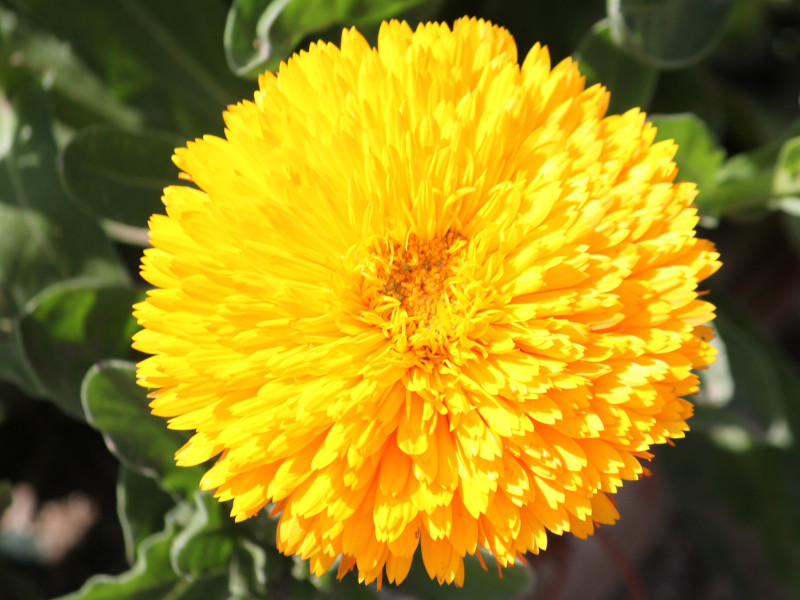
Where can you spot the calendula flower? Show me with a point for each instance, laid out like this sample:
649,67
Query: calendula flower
423,297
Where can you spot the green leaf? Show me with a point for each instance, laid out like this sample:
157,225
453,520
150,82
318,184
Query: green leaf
630,81
744,183
69,327
164,58
248,570
206,544
716,381
763,408
259,34
117,407
119,176
44,239
142,506
14,365
486,585
749,182
787,169
153,578
79,96
751,496
668,33
699,156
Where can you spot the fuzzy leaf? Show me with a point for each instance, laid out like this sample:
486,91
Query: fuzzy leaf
79,96
44,238
119,176
117,407
69,327
206,543
668,33
248,571
787,169
141,506
259,34
152,578
163,58
630,80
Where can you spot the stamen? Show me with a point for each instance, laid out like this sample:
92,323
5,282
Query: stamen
416,275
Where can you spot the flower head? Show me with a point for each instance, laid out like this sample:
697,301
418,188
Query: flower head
425,297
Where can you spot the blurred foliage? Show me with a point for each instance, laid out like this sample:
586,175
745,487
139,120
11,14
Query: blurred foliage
95,95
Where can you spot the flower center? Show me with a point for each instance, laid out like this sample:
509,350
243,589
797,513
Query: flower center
413,282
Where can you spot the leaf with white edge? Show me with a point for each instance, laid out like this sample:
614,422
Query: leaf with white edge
118,407
788,204
248,570
716,381
630,81
162,57
69,327
14,366
750,493
699,155
259,34
669,34
787,169
141,506
206,543
762,409
747,181
79,96
152,578
119,176
44,239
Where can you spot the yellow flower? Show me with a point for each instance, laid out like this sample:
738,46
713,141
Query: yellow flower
425,297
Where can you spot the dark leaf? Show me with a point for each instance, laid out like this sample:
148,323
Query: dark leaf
206,543
117,407
740,508
119,176
79,96
630,81
14,365
152,578
44,238
763,406
69,327
486,585
165,58
259,34
142,506
248,570
668,33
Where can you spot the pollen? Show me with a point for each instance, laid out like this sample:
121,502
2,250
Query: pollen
419,277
